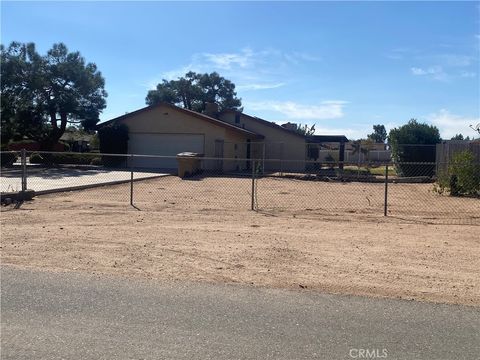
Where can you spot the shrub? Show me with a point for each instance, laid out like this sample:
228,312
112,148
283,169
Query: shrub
113,140
66,146
462,176
95,143
97,161
8,158
330,160
53,159
410,145
31,145
36,159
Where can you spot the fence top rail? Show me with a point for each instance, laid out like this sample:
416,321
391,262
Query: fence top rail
371,162
364,163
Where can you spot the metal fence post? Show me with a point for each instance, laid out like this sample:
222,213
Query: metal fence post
281,159
24,170
131,179
253,184
263,159
385,206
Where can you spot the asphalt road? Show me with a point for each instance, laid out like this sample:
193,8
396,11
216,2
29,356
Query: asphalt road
74,316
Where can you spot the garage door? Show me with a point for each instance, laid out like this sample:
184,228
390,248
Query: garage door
164,145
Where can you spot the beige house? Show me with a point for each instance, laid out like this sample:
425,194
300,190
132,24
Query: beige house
166,130
281,149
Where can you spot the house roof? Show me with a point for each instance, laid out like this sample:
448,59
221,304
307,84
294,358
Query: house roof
326,138
75,136
188,112
267,123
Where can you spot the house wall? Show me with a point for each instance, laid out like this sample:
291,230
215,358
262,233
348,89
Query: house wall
277,145
235,147
165,120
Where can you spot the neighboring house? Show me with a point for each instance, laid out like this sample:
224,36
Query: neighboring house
368,152
78,141
167,130
326,148
371,146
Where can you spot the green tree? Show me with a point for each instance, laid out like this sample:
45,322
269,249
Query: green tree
194,91
460,137
41,95
414,142
462,176
379,134
306,130
362,146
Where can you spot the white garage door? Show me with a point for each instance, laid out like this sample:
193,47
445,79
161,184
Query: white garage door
164,145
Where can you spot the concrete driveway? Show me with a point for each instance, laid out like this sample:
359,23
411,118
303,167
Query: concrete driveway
56,179
49,315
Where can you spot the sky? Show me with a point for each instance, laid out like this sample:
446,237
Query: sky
343,66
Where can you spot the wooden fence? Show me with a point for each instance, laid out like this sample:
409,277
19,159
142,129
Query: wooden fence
446,150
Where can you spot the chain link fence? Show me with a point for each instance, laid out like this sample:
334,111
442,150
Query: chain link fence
373,189
423,191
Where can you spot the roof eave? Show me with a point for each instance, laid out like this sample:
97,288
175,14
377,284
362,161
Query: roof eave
186,111
267,123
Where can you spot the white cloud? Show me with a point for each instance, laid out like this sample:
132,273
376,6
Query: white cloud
296,57
451,124
455,60
350,133
176,73
248,68
418,71
394,56
332,109
468,74
306,56
226,61
447,66
398,53
435,72
260,86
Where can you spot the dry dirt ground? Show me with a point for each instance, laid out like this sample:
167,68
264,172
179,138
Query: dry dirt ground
328,237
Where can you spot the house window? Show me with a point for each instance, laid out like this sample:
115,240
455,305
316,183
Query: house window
237,118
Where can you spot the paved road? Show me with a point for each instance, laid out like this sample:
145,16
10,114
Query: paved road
75,316
42,179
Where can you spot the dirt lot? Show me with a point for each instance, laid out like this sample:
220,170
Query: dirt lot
308,235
